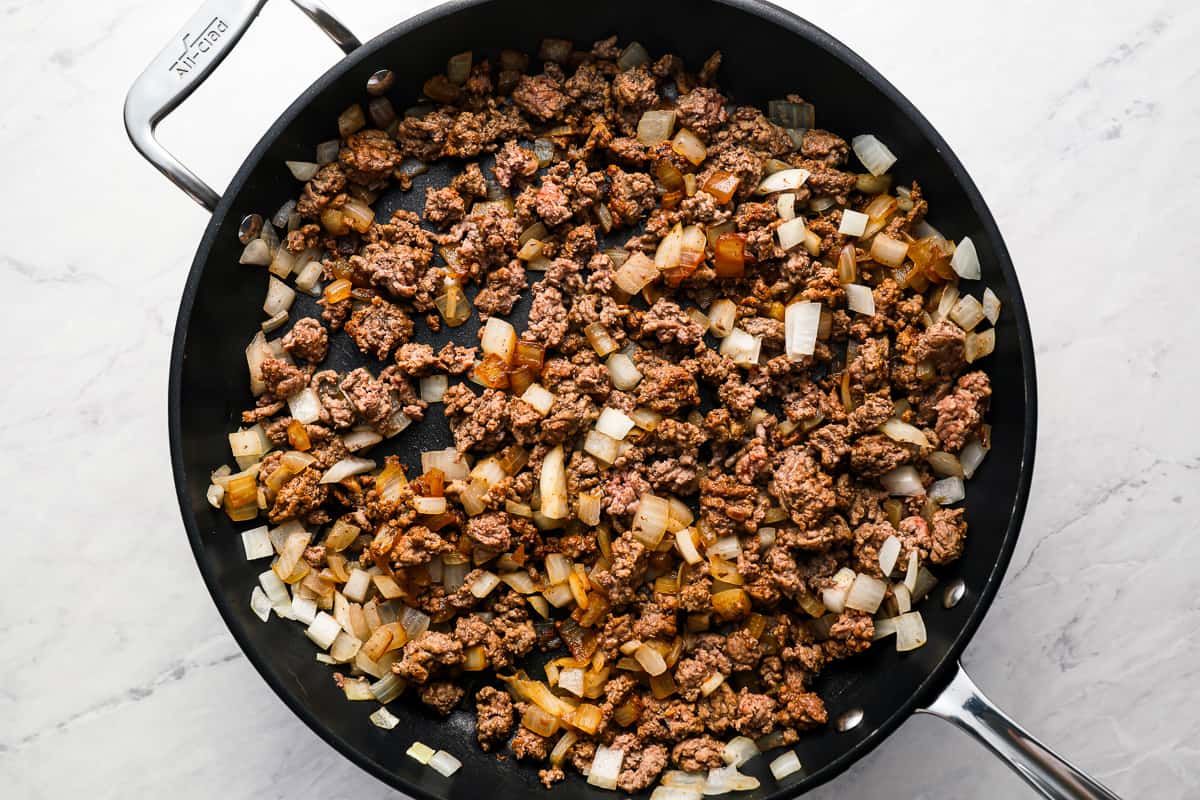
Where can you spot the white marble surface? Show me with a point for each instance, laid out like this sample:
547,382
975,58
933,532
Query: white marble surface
1081,124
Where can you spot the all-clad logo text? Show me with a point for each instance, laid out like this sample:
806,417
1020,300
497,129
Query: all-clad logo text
196,46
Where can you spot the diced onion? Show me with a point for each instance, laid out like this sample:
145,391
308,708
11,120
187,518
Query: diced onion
991,306
866,593
903,597
305,610
414,622
279,297
971,457
945,465
499,339
948,490
571,680
614,423
739,750
519,582
384,719
782,181
889,251
302,170
274,588
903,482
728,779
452,465
678,779
606,766
650,521
860,299
688,145
802,322
889,551
726,547
910,631
899,431
637,271
484,584
602,446
791,233
357,586
433,388
420,752
663,792
722,315
323,630
655,127
786,764
429,505
910,574
553,485
257,543
965,260
884,626
967,312
670,249
624,373
687,546
854,223
539,397
306,279
741,347
260,604
444,764
346,468
305,406
873,154
650,659
834,597
711,683
979,345
645,418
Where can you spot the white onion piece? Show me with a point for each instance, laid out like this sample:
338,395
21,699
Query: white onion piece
275,323
601,446
260,604
801,324
889,551
910,574
257,253
651,520
903,482
967,312
791,233
624,373
385,719
728,779
346,468
452,465
678,779
785,206
357,586
344,648
433,388
834,597
215,495
722,315
499,339
945,465
327,152
279,297
991,306
614,423
655,127
274,588
420,752
903,598
302,170
444,764
786,764
489,472
484,584
899,431
257,543
782,181
741,347
519,582
711,683
948,490
910,631
924,583
305,406
860,299
739,750
979,345
965,260
570,680
307,277
553,485
726,547
866,593
889,251
971,457
686,546
538,396
664,792
873,154
429,505
884,627
304,610
606,766
854,223
670,249
323,630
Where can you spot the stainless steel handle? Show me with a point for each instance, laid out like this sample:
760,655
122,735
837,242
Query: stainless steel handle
964,705
183,65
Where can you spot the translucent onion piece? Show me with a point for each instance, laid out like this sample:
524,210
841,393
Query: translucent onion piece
991,306
721,317
854,223
965,260
420,752
791,233
945,465
260,604
305,406
601,446
784,180
306,280
885,626
888,251
302,170
452,465
787,764
655,127
414,622
802,322
670,249
279,297
637,271
645,418
444,764
739,750
633,55
866,593
275,589
903,482
687,546
624,373
924,583
351,120
433,388
429,505
650,521
600,339
728,779
948,490
860,299
346,468
971,457
785,206
688,145
499,339
385,719
910,573
967,312
327,152
675,793
679,779
650,659
553,485
899,431
903,598
727,547
606,766
873,154
910,631
458,67
889,551
614,423
257,543
323,630
979,345
741,347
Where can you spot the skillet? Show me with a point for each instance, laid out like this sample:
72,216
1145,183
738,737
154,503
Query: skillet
868,696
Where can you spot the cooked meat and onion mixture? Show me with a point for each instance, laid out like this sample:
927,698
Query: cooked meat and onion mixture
718,456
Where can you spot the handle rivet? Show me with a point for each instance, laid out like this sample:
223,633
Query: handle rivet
380,82
849,720
954,593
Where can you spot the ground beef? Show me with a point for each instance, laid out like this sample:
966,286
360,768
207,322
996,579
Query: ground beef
494,710
824,146
702,111
527,745
698,754
367,396
619,581
441,696
755,714
960,414
478,422
949,535
444,206
547,316
503,289
635,89
379,327
282,379
320,190
299,497
424,654
307,339
642,762
490,531
876,454
942,346
666,388
368,157
540,96
803,490
669,324
514,164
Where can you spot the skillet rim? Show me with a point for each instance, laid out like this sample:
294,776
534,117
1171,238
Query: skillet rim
937,678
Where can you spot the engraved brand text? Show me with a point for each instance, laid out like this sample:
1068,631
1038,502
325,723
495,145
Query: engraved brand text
195,47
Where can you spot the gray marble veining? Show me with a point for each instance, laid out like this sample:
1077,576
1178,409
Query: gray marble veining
1080,123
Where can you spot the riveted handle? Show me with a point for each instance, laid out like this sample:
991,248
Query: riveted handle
185,62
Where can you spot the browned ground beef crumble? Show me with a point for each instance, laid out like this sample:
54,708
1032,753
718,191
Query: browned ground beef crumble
785,454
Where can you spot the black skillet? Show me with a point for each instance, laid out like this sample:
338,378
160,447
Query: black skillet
768,53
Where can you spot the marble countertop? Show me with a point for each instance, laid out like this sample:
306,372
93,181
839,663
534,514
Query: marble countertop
118,678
